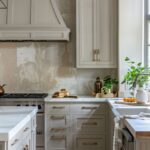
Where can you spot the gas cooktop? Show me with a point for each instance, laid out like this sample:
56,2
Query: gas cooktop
24,95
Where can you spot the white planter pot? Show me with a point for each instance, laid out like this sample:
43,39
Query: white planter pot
142,96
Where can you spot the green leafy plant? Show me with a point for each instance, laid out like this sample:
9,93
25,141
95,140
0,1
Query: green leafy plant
133,70
109,83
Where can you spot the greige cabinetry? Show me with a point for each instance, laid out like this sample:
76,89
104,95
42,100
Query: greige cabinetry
96,33
75,126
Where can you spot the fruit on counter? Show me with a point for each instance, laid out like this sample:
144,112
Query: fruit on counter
129,99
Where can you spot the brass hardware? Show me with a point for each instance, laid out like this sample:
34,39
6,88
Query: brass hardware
98,55
15,141
54,137
94,54
57,117
57,129
89,123
90,143
26,129
84,107
58,107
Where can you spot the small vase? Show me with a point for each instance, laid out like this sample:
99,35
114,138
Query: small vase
142,96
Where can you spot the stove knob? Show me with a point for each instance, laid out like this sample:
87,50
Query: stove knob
18,105
27,105
39,107
34,105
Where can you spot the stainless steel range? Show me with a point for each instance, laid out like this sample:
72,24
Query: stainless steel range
29,99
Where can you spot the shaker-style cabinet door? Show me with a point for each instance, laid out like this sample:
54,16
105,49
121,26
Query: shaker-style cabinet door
96,33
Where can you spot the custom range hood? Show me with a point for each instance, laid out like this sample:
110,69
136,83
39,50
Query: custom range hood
31,20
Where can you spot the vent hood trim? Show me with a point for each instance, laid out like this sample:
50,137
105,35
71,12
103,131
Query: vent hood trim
40,32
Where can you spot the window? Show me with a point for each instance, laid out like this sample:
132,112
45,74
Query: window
147,33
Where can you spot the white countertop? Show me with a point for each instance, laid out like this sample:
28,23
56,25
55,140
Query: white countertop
139,128
12,119
80,99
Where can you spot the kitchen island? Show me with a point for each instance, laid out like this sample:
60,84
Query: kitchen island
137,124
17,128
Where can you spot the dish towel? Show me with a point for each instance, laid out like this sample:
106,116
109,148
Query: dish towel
117,138
141,115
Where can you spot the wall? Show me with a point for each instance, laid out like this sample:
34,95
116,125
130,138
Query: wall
130,34
47,66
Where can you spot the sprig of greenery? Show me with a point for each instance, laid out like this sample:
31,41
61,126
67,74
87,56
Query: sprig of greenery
133,71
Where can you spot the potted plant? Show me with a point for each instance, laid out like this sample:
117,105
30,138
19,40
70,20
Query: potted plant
135,68
109,86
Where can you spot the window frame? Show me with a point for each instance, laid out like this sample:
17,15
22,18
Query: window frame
146,45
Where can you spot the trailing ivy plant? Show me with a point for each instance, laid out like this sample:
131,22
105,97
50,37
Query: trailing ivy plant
134,69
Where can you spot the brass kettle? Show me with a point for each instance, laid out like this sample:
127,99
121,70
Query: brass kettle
2,90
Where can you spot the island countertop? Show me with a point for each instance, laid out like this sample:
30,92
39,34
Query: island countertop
12,119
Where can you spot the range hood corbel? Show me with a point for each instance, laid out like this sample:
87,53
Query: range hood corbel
44,22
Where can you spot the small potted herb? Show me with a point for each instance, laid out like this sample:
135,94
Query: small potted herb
109,86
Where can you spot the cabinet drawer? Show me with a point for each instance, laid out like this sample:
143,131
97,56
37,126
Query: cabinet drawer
88,108
57,121
15,141
57,109
84,124
58,141
86,142
26,129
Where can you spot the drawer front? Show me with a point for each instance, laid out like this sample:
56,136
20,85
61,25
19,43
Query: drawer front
56,109
15,141
88,108
87,142
58,141
26,129
84,124
57,123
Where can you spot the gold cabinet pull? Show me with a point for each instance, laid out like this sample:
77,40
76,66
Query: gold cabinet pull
94,54
89,124
57,129
58,107
57,117
85,107
54,137
98,55
90,143
15,141
26,129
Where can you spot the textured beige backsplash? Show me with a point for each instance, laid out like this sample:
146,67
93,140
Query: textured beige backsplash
47,66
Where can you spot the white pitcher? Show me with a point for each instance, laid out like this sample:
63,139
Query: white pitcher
142,96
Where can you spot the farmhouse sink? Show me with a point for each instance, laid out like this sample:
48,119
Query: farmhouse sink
130,111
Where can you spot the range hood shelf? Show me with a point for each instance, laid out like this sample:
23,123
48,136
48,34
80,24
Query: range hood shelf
35,20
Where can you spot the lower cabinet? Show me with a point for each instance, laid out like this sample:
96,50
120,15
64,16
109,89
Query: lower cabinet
75,126
25,139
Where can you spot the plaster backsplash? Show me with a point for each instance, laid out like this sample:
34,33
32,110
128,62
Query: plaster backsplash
47,66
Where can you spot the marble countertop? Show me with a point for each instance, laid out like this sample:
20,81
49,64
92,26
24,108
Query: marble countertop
12,119
80,99
139,128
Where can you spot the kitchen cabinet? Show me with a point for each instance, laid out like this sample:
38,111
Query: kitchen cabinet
32,20
96,33
75,126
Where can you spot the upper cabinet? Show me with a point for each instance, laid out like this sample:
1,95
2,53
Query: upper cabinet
96,33
31,20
